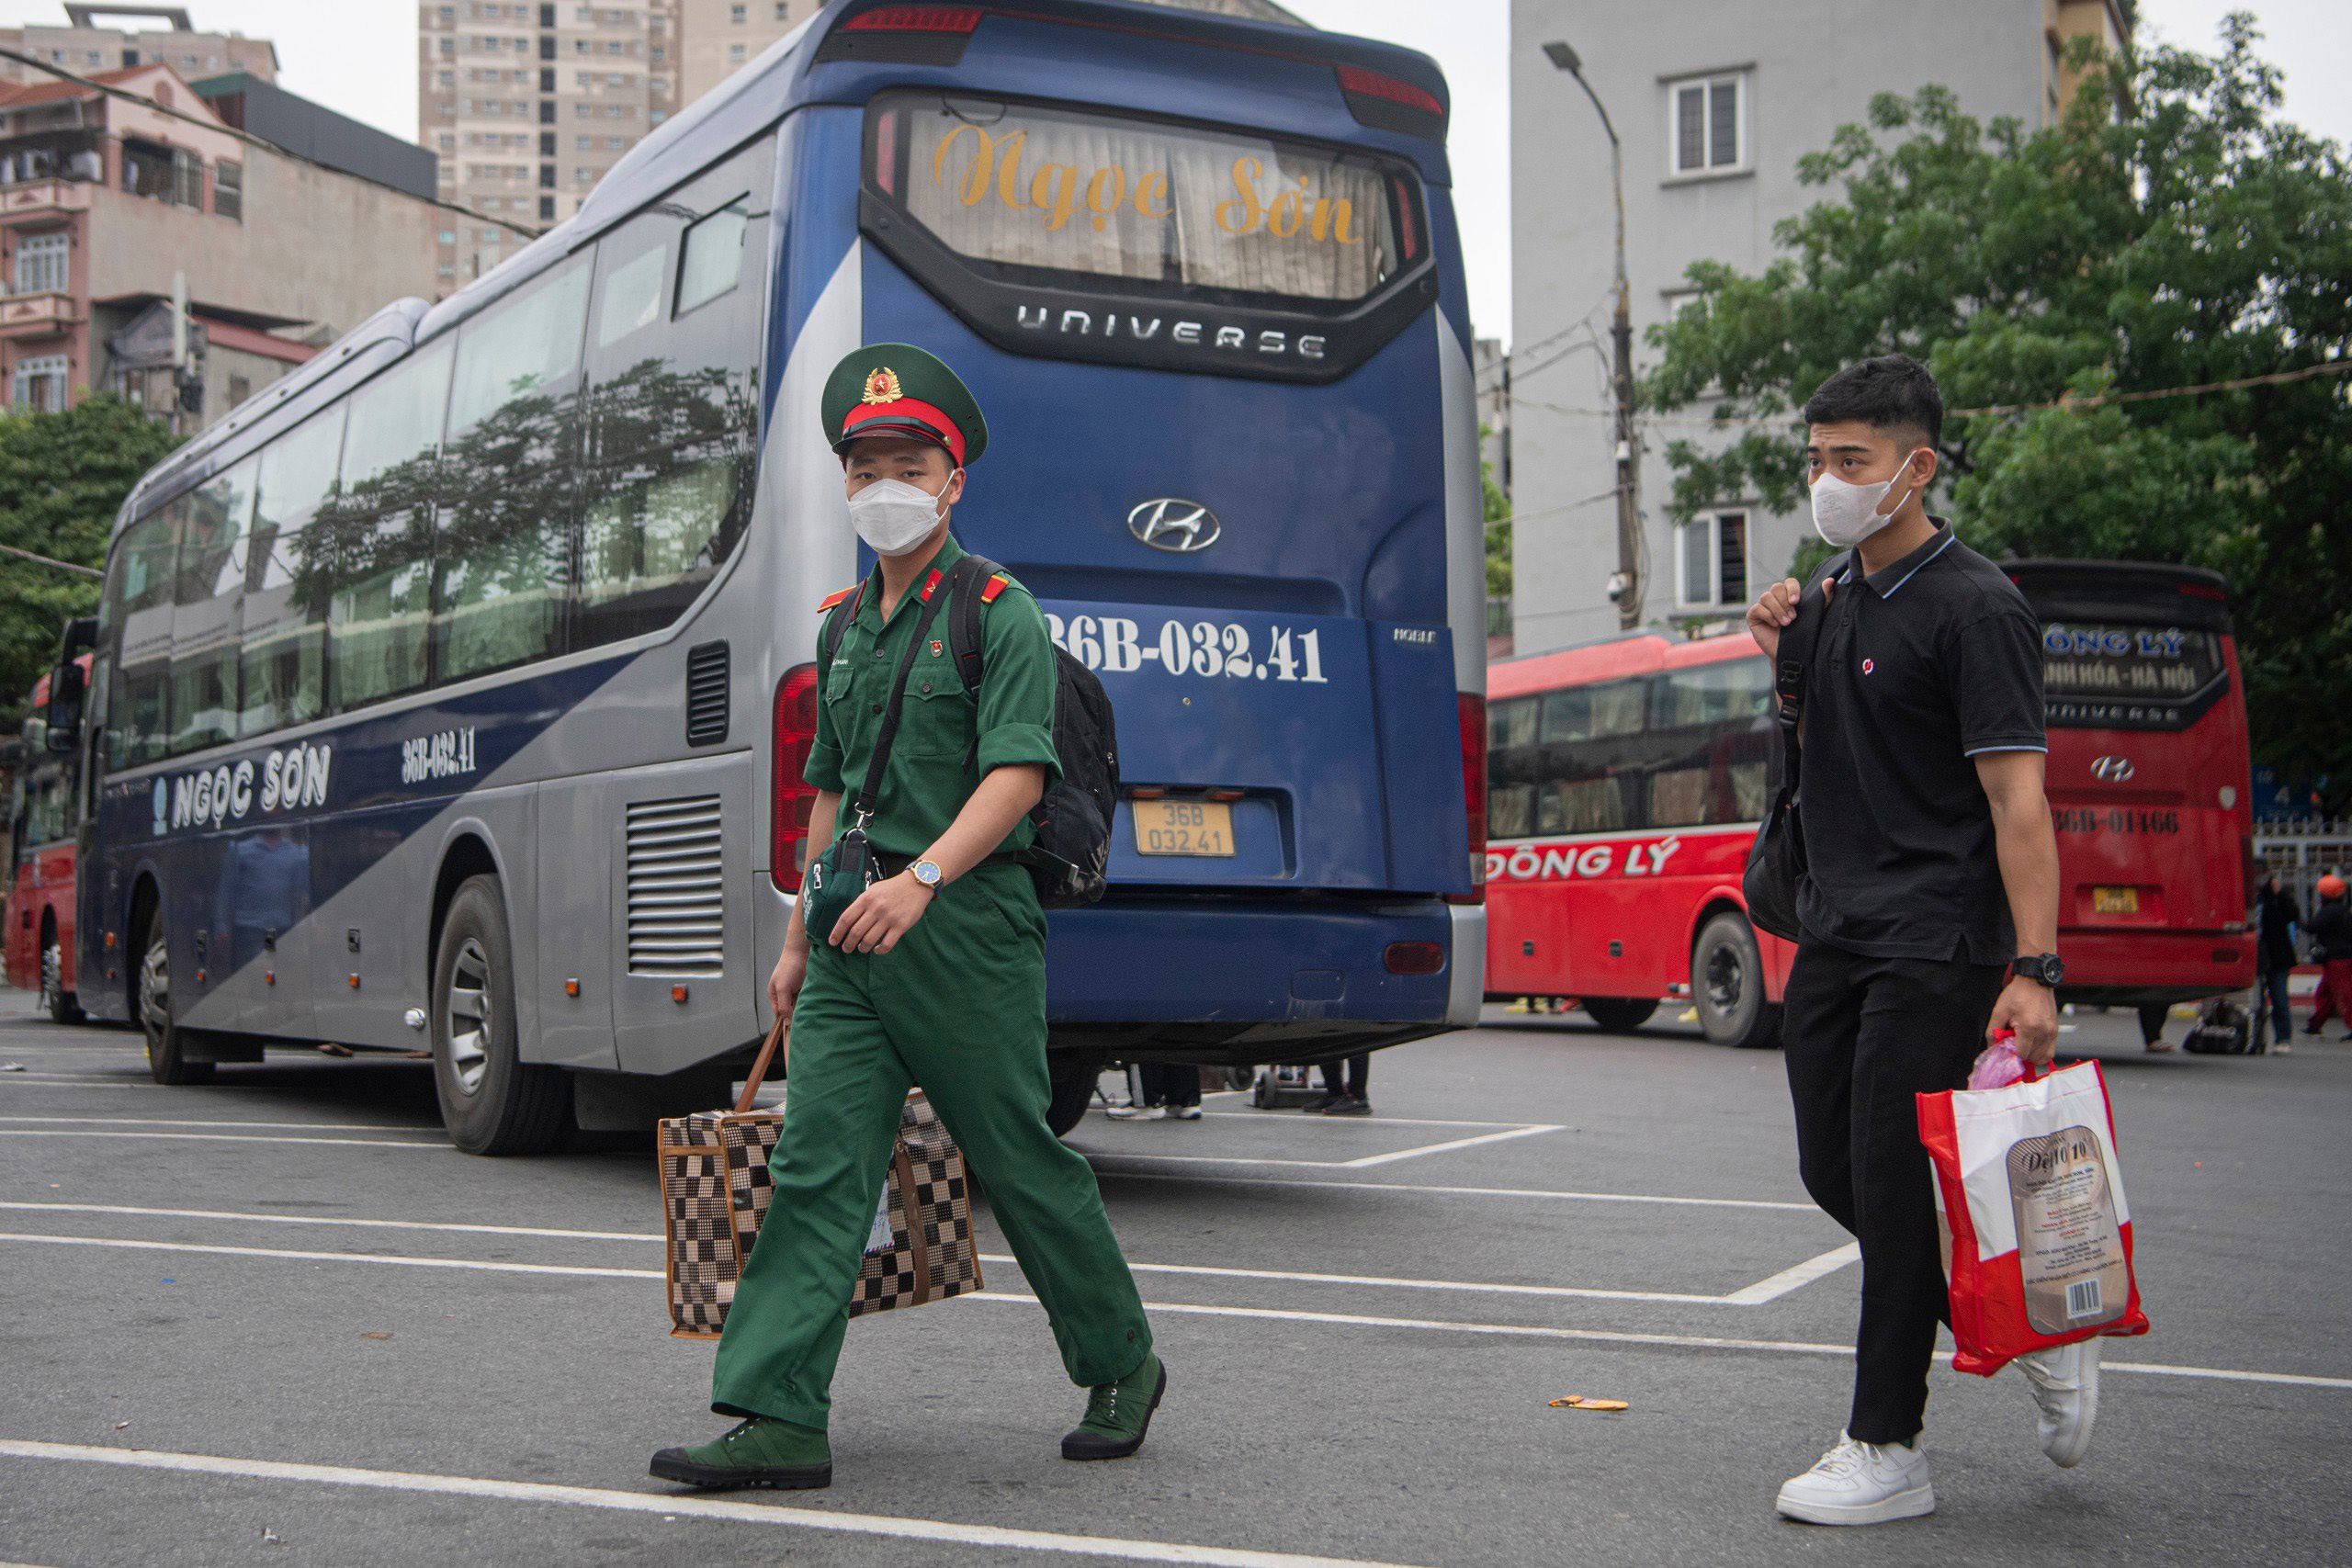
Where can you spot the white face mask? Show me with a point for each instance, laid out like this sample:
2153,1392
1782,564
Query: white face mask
1846,514
893,517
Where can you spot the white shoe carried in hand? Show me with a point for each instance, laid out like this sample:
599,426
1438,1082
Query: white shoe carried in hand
1862,1484
2065,1390
1141,1113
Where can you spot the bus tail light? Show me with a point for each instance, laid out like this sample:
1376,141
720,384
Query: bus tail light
1472,708
1412,958
794,733
904,35
1385,103
914,19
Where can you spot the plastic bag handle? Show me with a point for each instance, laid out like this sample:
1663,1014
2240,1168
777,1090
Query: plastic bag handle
2032,1070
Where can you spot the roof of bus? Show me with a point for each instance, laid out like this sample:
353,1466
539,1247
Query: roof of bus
1639,653
782,79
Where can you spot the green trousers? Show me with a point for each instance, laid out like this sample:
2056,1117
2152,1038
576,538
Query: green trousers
957,1007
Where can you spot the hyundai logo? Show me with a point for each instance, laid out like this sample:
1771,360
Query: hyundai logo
1171,524
2113,770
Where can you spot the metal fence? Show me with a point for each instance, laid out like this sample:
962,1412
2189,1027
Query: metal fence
2302,850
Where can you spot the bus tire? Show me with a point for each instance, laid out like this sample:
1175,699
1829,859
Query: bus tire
1072,1075
1727,982
56,1000
493,1102
1619,1015
170,1058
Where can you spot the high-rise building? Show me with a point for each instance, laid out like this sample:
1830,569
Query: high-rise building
82,46
715,38
1714,102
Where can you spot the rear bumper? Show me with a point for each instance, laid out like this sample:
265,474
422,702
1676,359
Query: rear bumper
1251,980
2130,968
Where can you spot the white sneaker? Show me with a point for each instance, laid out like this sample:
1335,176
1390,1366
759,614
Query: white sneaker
1862,1484
1141,1113
1187,1114
2065,1388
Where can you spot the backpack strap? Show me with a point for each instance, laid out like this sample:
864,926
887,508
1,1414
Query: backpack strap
1794,663
871,793
964,622
837,623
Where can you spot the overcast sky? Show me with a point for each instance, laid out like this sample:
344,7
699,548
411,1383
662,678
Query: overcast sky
356,56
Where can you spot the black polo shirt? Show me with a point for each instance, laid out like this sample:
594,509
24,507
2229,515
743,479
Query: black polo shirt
1920,667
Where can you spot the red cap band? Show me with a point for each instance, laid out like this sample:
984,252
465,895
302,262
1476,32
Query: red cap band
913,410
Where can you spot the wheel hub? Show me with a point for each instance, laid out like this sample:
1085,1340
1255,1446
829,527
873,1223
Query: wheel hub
466,1016
155,992
1727,979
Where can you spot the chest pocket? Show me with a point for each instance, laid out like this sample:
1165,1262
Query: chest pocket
940,715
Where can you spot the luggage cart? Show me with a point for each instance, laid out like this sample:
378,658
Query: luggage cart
1283,1089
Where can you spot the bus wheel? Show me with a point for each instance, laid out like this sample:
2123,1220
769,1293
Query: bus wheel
54,998
1073,1077
1727,980
492,1102
167,1040
1619,1015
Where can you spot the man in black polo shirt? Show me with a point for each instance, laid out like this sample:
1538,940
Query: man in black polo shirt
1929,907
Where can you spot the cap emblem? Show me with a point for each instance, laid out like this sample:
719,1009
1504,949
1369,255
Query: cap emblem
881,386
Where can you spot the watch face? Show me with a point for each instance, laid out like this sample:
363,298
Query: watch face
926,872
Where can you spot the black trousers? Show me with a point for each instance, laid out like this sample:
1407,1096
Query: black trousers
1863,1037
1349,1076
1175,1084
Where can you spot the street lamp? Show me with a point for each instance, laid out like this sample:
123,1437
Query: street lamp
1626,588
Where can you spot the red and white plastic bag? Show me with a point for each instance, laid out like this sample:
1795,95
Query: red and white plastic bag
2037,1234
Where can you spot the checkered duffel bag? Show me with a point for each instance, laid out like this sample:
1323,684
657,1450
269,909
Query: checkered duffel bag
716,1188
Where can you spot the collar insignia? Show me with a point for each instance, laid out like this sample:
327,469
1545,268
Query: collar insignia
882,385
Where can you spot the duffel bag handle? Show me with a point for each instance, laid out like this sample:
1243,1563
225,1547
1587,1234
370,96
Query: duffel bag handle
779,1039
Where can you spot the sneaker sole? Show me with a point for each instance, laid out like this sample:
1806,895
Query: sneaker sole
1123,1450
2067,1456
1916,1503
729,1478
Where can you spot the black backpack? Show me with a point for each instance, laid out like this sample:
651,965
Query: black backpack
1072,850
1776,862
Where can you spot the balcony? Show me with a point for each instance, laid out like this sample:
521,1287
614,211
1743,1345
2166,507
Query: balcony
39,315
43,199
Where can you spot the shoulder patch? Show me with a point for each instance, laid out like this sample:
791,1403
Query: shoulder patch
995,585
836,597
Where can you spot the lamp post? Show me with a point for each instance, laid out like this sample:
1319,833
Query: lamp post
1626,587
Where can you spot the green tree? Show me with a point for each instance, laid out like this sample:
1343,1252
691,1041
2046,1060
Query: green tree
2191,236
61,477
1497,515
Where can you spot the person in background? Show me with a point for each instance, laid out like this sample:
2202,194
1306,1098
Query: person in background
2274,957
1344,1085
2332,950
1171,1090
2151,1027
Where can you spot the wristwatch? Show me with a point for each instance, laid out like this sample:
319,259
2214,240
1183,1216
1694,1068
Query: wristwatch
2046,968
927,872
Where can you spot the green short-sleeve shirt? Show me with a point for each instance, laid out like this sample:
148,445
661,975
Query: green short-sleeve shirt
942,724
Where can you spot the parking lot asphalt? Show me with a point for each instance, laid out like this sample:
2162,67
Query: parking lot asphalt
277,1319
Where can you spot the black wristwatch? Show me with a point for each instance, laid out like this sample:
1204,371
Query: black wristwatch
2046,968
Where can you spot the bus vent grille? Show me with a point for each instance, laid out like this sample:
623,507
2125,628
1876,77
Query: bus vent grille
707,695
678,911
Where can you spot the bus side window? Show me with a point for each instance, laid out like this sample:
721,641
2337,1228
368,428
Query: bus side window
285,640
147,558
1511,768
672,400
207,605
1712,724
512,452
380,522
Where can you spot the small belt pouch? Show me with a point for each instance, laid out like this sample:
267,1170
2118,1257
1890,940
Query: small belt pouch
835,878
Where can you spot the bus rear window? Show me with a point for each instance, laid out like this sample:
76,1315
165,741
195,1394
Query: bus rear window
2108,663
1175,208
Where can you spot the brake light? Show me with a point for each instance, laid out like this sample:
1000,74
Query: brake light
1372,84
1409,237
2204,591
914,19
794,732
1412,958
1472,710
886,152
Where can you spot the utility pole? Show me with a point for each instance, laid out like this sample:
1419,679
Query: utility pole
1625,588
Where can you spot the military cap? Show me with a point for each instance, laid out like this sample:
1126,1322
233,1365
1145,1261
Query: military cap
898,389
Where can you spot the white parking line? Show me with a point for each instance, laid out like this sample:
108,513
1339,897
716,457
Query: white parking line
1526,1132
1197,1309
1513,1129
1109,1167
277,1126
775,1515
1798,1278
224,1138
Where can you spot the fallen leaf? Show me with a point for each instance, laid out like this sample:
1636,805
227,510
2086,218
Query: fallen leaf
375,1334
120,1425
1579,1401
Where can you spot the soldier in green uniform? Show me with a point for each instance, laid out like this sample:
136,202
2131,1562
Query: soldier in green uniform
934,976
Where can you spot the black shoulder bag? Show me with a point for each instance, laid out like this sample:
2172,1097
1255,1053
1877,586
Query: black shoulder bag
847,867
1776,859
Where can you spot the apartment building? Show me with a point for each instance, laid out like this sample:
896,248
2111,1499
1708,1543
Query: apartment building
84,46
717,38
147,249
1715,101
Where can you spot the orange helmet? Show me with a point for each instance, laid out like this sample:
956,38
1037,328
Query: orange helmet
2331,886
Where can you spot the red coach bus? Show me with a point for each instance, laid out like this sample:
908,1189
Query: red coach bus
44,818
1626,779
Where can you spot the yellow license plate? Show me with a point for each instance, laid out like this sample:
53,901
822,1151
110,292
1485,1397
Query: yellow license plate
2115,900
1183,827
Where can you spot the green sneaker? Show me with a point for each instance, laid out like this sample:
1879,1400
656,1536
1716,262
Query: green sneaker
1118,1414
761,1451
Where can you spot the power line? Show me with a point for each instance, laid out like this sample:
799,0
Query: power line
2276,379
51,561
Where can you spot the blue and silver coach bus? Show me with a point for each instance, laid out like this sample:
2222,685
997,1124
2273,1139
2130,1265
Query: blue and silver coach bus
455,692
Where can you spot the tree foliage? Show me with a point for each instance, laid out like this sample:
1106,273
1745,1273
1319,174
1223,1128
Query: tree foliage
61,477
2191,237
1497,508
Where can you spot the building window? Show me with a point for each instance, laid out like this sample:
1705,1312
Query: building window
1711,558
1704,133
783,10
240,389
40,384
42,261
735,13
735,54
229,190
